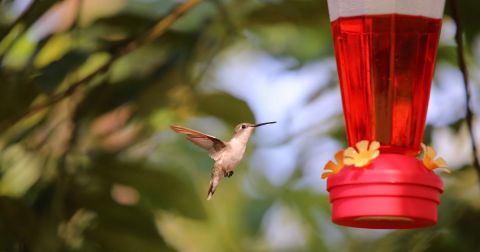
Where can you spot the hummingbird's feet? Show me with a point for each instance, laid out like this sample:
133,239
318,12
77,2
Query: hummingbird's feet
228,174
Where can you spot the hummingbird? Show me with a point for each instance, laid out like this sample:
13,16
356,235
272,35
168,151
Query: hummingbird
226,155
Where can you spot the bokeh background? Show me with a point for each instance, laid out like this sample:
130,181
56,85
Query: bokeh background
88,162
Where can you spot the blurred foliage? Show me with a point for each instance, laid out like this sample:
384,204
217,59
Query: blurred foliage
98,170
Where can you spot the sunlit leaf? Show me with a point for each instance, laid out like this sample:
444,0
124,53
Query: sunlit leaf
20,170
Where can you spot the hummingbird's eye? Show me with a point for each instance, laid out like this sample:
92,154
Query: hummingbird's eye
244,126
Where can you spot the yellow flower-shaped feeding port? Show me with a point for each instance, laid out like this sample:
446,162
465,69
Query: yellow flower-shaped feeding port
363,153
431,162
332,168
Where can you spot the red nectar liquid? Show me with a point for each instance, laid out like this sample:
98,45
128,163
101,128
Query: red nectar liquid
385,65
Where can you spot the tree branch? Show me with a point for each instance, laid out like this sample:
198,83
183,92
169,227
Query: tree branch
155,32
464,69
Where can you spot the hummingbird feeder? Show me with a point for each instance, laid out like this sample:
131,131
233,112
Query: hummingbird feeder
385,52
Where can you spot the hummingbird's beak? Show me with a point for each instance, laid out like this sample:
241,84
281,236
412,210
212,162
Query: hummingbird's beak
261,124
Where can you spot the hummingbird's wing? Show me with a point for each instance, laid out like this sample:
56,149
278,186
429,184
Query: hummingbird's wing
208,142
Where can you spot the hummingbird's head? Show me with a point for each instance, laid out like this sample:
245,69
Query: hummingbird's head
245,130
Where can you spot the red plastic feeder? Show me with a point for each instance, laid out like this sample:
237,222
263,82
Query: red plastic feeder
385,52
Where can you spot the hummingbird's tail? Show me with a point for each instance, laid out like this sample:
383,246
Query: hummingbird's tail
211,191
213,185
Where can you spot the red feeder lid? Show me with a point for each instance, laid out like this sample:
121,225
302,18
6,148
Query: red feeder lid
393,192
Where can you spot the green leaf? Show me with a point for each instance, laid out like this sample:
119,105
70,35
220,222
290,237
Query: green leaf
156,187
18,224
226,107
120,228
300,12
20,168
468,12
17,91
31,15
52,75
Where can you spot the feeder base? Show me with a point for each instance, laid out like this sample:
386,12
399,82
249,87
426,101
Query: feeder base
393,192
385,212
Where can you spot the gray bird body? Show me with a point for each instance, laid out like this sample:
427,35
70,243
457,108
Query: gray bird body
227,155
